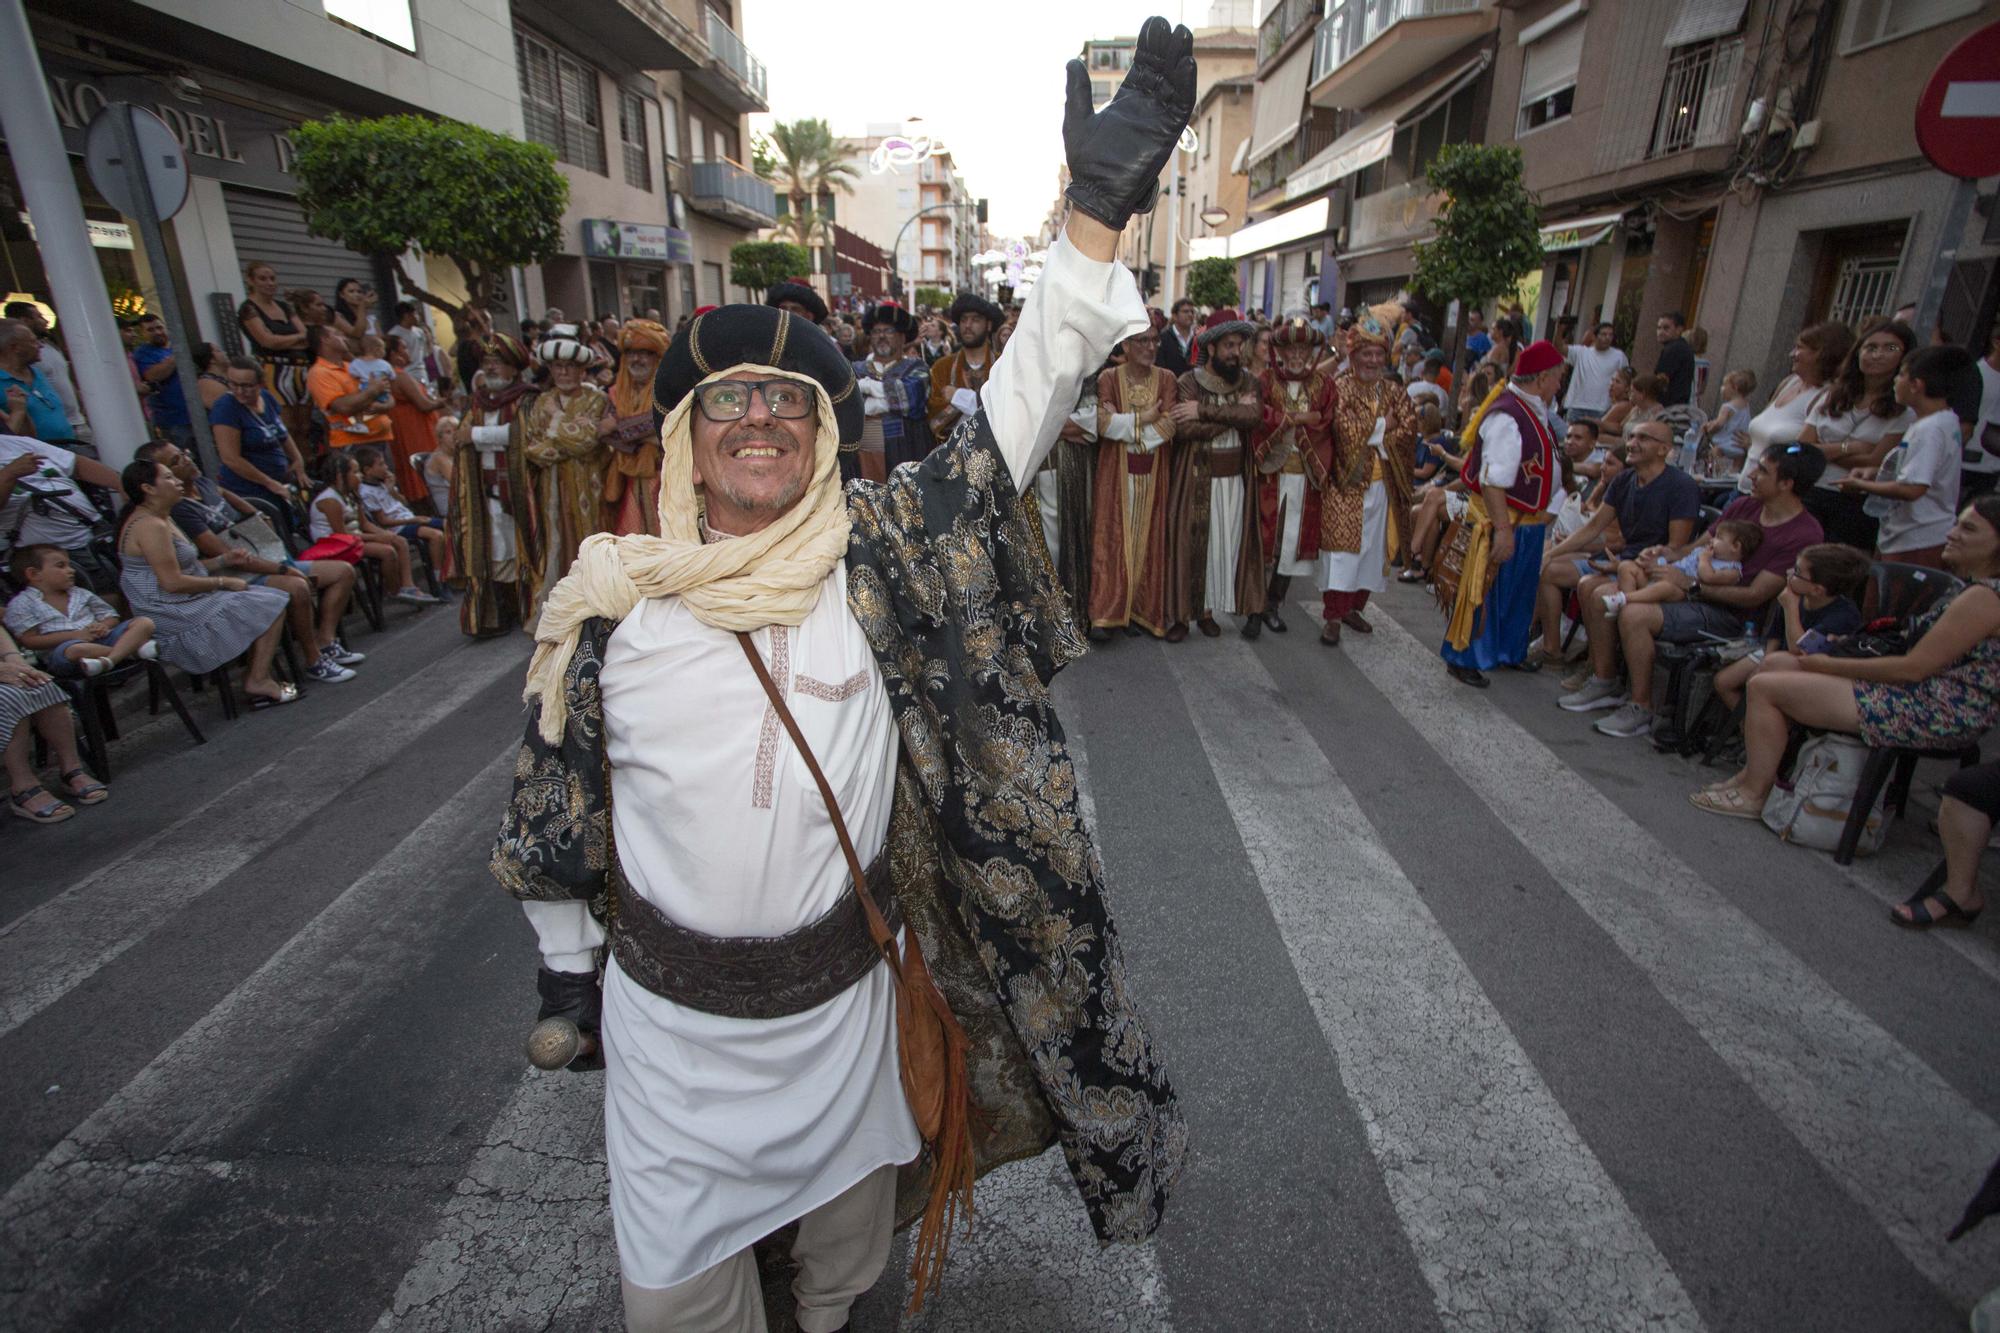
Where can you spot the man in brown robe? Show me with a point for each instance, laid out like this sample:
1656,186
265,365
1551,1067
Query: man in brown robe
1215,560
957,376
1128,549
1364,517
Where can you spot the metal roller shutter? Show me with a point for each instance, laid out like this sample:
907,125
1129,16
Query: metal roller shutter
271,227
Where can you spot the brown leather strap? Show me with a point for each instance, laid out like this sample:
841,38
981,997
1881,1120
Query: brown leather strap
878,929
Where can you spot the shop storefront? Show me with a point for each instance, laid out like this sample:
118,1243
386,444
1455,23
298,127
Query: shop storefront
241,205
1279,260
1585,270
632,265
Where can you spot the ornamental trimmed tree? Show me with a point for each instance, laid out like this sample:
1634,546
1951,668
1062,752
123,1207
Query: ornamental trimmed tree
1487,232
1212,283
447,189
761,265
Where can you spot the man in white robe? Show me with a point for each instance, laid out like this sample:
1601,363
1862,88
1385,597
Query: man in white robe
721,1129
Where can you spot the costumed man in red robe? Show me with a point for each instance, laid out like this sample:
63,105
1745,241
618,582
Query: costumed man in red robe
1294,451
632,430
1128,549
1364,513
1215,552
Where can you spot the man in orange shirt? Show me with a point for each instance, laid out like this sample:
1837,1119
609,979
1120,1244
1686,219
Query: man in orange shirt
341,398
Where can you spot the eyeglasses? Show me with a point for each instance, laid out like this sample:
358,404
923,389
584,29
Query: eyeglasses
729,400
244,386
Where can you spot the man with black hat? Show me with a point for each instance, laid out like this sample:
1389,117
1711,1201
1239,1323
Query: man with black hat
895,397
750,1010
957,376
795,295
1215,560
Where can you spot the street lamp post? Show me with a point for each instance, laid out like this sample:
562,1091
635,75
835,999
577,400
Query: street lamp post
896,254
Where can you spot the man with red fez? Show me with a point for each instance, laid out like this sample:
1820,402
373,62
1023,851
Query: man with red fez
957,376
714,875
1511,459
631,431
494,538
1363,512
1293,445
1128,541
895,397
1215,553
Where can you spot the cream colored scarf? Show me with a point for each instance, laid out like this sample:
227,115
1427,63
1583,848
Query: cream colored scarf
772,577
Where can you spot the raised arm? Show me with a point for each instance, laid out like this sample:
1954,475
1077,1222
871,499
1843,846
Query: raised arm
1085,302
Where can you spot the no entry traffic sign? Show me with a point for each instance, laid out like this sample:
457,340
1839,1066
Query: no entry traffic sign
1958,117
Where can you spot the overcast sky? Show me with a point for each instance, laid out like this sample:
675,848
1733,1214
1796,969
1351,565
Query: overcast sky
987,78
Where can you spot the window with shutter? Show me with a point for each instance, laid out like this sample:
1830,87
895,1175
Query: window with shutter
633,141
559,102
1548,76
1871,22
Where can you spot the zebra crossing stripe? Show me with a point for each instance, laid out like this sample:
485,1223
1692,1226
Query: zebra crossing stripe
119,1171
48,951
1850,1093
1497,1192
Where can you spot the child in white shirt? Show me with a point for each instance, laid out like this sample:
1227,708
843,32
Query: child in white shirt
1726,429
77,632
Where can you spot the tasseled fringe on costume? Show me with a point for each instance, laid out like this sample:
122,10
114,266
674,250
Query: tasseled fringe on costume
949,1142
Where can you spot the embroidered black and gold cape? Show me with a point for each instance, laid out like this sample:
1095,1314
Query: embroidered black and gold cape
989,853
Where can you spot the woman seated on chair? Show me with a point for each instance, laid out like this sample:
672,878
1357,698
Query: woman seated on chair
1943,692
337,509
1966,815
205,518
27,693
201,621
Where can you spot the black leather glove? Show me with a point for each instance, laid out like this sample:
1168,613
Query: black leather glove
577,997
1115,155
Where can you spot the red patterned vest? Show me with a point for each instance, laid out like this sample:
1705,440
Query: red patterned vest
1535,483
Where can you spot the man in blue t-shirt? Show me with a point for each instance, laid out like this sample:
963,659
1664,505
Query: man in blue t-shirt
1651,503
33,406
154,356
1477,341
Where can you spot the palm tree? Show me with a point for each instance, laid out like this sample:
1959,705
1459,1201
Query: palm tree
808,166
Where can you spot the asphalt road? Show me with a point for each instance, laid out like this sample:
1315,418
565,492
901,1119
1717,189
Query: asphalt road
1479,1025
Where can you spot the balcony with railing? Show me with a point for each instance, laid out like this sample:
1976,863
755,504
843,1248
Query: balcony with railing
1366,49
731,75
1697,97
1286,19
732,193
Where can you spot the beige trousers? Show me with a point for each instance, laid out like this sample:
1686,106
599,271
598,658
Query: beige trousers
842,1247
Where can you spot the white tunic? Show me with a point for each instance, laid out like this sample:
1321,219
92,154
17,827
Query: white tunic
720,1130
1225,529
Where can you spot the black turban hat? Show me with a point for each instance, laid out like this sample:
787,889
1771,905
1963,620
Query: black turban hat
758,335
970,304
797,291
897,318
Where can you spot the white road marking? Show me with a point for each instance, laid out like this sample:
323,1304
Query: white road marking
48,951
1849,1092
120,1170
1514,1221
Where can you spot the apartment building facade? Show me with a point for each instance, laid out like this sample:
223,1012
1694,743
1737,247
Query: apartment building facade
1719,159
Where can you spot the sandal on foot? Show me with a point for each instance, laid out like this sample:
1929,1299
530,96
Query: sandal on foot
287,693
1920,916
1726,801
21,803
89,792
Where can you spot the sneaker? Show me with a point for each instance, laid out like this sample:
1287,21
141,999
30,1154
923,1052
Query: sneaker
328,671
149,651
95,666
1630,720
342,654
1577,679
1594,695
415,595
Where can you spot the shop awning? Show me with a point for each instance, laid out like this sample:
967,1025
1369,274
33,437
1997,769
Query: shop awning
1281,101
1579,233
1294,224
1370,141
1237,162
